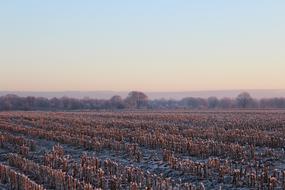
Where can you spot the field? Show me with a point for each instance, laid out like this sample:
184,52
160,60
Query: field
193,150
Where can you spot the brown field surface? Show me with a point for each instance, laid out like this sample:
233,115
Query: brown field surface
235,149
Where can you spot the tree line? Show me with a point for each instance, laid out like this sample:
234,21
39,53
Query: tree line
137,100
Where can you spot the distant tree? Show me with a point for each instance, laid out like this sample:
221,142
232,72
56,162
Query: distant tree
42,103
11,102
29,103
55,104
117,102
5,105
226,103
193,103
189,102
136,99
64,102
272,103
244,100
213,102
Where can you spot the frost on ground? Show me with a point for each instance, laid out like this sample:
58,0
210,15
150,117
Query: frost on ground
143,150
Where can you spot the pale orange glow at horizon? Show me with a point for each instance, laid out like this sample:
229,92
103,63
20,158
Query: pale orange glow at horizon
175,77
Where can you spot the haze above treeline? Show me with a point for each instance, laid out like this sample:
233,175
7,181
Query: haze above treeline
256,93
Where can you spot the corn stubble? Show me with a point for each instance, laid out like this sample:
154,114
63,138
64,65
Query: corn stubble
142,150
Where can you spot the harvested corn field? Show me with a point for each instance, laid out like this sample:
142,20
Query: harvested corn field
143,150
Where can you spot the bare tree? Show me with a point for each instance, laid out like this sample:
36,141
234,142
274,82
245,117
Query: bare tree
117,102
226,103
213,102
244,100
136,99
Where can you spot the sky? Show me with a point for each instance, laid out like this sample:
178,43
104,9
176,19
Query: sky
149,45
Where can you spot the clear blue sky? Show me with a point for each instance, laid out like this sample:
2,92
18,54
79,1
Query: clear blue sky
149,45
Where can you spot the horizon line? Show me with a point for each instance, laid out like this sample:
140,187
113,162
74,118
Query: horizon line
147,91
